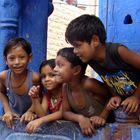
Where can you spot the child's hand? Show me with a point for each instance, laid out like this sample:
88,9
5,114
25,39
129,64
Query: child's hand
28,116
114,102
33,125
97,121
8,118
130,104
34,91
86,126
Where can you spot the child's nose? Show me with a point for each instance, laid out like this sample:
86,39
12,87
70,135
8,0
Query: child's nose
75,51
17,61
55,69
47,78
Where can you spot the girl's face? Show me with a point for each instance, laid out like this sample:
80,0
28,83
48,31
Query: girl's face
48,77
63,69
17,59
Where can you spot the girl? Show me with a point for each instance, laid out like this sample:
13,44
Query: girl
52,99
84,98
16,81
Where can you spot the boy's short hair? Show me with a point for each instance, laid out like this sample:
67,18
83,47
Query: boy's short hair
18,41
83,28
70,56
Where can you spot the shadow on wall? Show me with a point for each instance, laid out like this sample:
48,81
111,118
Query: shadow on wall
65,130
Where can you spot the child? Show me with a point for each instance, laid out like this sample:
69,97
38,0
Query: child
117,65
84,98
16,81
52,99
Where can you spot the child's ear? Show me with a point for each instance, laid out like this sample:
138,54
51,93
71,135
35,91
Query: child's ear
30,57
77,70
5,60
95,42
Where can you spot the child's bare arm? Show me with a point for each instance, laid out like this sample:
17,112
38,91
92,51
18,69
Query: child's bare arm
33,125
3,96
36,79
36,107
8,116
29,115
96,87
84,122
40,108
131,103
100,120
114,102
129,57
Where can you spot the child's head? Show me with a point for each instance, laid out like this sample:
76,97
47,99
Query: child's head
17,42
48,75
83,28
86,34
17,54
68,65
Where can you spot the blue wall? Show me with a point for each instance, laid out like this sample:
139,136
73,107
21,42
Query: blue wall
9,18
28,19
117,16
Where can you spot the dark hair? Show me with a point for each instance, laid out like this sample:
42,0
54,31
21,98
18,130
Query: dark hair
15,42
83,28
50,62
70,56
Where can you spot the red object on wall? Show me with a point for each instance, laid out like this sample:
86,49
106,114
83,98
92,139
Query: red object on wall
72,2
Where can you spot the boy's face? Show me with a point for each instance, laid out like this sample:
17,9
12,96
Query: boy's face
17,59
83,50
63,70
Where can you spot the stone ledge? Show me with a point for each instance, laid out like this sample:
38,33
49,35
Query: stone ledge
65,130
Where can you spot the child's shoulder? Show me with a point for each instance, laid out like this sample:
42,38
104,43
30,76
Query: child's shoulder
92,83
87,79
115,46
3,74
35,78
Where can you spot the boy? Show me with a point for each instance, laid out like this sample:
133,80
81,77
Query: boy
116,64
84,98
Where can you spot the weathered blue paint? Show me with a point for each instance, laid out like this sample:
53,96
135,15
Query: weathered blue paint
28,19
65,130
9,18
33,27
122,23
116,15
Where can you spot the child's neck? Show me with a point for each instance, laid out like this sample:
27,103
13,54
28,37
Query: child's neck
100,54
56,92
19,76
76,84
17,81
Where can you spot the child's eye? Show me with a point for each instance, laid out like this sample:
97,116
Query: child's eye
78,46
60,65
43,76
11,58
22,57
51,75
